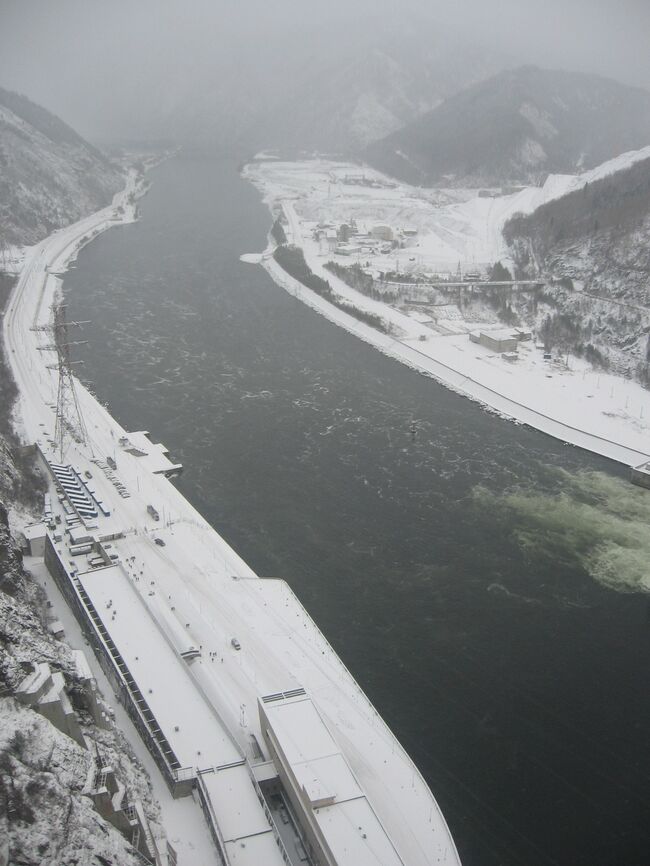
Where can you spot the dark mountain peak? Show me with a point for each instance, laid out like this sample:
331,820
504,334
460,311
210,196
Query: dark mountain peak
517,127
39,118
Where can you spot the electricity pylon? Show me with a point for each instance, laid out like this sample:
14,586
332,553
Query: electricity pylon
69,419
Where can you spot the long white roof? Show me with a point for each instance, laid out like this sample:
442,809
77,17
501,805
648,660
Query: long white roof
188,722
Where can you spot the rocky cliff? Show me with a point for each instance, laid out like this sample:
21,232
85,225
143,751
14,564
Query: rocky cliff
47,817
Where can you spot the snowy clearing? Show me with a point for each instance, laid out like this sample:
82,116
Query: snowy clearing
563,397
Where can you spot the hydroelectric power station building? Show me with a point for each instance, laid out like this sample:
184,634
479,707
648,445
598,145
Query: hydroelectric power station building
236,693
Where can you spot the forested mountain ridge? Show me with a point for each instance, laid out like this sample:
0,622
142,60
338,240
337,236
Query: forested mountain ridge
49,175
342,104
593,247
517,127
334,90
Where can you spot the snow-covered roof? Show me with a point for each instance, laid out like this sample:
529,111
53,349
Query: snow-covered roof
243,826
191,727
355,835
302,733
259,850
234,799
499,333
333,800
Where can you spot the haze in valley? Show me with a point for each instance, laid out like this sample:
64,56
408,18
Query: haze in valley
216,70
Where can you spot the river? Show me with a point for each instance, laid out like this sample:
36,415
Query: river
478,579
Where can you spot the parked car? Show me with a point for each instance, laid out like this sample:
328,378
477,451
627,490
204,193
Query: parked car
235,643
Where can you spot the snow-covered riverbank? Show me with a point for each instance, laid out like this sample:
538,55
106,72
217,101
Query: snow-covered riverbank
216,597
565,398
40,270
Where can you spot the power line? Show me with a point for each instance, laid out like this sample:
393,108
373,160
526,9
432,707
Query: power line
70,423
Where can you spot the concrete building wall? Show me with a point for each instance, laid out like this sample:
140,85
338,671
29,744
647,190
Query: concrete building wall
316,847
640,475
498,344
178,787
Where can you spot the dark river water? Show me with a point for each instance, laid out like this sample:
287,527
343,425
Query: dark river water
477,581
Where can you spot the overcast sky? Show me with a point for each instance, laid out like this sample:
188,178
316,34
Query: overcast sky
105,65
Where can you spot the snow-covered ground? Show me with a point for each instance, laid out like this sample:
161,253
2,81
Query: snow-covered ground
216,595
565,398
454,226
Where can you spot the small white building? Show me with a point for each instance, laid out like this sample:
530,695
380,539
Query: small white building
503,340
34,539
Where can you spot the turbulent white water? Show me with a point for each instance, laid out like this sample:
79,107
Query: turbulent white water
598,521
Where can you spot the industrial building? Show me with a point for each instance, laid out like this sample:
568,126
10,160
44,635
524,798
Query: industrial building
504,340
274,789
339,823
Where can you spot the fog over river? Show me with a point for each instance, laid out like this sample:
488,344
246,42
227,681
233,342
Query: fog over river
478,580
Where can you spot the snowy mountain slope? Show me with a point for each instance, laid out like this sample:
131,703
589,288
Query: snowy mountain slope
335,88
341,102
517,127
49,176
485,218
42,772
593,246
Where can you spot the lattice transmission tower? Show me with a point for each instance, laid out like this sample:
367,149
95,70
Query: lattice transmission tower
69,418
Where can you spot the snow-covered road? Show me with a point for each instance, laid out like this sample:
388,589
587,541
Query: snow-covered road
600,412
216,595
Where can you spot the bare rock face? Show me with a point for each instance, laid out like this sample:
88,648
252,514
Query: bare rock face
12,579
45,818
